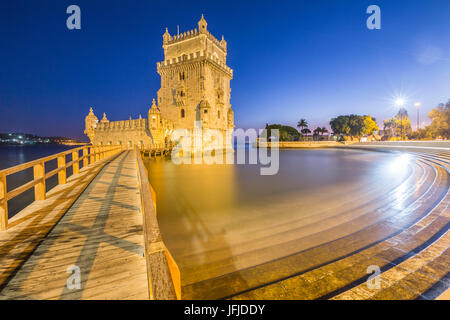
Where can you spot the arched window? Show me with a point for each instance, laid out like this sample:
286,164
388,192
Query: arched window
182,113
218,114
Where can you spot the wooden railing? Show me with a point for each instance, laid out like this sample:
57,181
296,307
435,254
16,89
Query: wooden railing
164,280
90,155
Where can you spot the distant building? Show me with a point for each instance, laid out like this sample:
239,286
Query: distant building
195,93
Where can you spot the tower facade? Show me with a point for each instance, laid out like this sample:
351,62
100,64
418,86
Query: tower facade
195,94
195,81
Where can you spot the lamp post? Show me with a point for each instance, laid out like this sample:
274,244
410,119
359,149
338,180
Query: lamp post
400,102
417,105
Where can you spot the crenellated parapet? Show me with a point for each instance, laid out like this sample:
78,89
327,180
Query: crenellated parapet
194,57
222,44
122,125
194,33
182,36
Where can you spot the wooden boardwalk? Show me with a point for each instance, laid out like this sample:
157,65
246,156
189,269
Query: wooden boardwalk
100,235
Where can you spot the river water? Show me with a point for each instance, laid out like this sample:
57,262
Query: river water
216,219
13,155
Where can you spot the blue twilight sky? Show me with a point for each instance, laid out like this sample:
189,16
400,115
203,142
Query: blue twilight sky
292,59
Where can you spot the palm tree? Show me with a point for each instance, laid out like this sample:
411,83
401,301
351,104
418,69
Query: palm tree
302,124
306,131
317,132
323,130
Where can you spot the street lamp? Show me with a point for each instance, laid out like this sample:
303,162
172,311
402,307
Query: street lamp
417,105
400,102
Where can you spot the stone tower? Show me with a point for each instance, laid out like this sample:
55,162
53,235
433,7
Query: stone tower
195,93
195,81
90,124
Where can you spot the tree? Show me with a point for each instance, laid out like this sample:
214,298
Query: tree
421,134
398,126
286,133
353,125
302,124
340,125
440,119
356,124
370,125
317,130
306,131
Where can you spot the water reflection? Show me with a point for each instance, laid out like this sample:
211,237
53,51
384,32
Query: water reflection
216,219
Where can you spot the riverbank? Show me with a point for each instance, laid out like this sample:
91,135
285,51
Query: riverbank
304,144
376,144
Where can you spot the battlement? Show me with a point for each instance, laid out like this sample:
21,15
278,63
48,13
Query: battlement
182,36
120,125
196,56
192,34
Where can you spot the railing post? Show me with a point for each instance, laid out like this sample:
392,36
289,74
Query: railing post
85,158
76,163
39,189
92,154
3,204
62,173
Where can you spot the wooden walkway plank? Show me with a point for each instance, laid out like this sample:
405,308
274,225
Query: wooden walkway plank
101,234
30,226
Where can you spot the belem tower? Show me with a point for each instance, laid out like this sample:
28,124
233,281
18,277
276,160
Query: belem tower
194,95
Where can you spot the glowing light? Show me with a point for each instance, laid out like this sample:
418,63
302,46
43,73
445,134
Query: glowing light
417,104
399,102
400,164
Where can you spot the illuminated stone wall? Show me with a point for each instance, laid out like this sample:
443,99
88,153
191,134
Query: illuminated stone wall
195,92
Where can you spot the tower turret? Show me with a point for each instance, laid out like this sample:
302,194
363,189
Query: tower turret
166,37
202,25
90,124
154,116
223,43
104,119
